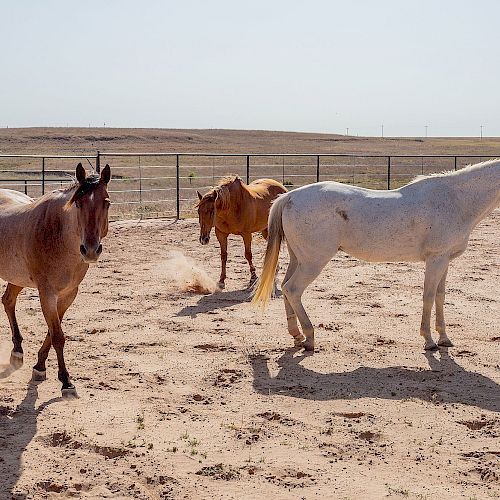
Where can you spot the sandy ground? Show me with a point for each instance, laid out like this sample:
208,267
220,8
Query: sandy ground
190,396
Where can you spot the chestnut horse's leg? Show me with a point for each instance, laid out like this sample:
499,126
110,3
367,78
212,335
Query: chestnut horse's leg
9,301
49,302
222,237
247,240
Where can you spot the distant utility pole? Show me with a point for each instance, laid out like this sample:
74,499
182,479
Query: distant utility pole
426,130
347,131
481,135
382,126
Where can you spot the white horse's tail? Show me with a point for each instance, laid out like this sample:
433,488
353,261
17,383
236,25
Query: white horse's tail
265,284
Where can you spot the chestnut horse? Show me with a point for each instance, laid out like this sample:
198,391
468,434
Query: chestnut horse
234,207
48,244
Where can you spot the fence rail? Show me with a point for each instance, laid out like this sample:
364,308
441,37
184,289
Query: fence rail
165,184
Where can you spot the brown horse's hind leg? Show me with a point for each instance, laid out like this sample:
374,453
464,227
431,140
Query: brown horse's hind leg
222,237
9,300
49,302
247,240
39,370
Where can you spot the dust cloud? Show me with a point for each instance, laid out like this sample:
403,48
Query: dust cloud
185,274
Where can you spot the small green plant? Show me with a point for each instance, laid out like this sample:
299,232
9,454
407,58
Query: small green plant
140,421
287,183
191,177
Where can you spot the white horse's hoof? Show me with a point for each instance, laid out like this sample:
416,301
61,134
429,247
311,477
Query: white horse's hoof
16,359
308,345
39,376
445,343
69,393
298,340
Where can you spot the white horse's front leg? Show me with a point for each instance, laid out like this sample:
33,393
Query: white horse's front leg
440,323
435,269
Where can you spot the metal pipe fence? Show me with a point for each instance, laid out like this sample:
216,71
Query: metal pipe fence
146,185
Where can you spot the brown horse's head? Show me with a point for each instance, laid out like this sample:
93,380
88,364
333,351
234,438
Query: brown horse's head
206,215
92,203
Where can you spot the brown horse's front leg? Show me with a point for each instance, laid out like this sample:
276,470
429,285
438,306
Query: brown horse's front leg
222,237
247,240
9,300
49,302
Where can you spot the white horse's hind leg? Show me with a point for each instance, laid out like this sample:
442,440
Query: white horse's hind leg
293,289
435,269
291,317
440,323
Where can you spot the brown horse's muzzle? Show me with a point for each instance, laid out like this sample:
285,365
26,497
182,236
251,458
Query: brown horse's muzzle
90,253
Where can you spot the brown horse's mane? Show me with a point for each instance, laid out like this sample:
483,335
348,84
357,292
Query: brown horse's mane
87,186
222,195
220,192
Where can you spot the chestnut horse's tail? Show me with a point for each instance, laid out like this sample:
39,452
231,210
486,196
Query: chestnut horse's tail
265,284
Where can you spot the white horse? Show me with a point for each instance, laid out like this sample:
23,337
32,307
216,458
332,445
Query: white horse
428,220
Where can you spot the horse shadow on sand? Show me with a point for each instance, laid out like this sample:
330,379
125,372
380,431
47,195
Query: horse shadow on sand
18,427
216,301
445,382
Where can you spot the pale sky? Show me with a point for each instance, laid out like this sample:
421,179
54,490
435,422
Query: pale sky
317,66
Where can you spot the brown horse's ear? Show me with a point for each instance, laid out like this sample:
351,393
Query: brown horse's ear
199,195
80,173
106,174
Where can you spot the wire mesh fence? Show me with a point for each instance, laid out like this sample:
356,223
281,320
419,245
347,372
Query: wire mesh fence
149,185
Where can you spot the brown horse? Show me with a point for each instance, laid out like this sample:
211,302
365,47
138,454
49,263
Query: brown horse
234,207
48,244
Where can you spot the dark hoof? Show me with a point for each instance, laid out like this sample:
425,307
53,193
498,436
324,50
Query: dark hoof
69,392
221,285
38,375
431,347
16,359
446,343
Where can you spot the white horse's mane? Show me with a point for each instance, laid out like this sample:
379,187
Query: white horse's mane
461,171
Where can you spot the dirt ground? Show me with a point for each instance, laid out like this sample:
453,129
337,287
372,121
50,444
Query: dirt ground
191,396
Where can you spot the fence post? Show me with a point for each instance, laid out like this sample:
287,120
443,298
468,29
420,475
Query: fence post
317,168
43,176
388,172
98,162
455,163
25,186
140,182
177,185
248,169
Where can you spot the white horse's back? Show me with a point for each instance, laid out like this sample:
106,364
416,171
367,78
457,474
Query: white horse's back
8,197
376,226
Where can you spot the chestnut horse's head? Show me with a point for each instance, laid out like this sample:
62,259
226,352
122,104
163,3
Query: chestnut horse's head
206,215
92,203
217,199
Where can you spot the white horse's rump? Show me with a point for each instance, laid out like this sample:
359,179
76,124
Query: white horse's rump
428,220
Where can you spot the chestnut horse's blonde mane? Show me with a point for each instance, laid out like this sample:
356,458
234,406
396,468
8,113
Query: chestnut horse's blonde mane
221,193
